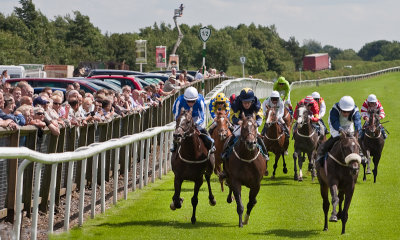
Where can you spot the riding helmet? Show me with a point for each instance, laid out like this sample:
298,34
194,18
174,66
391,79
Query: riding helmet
346,103
191,94
372,98
246,95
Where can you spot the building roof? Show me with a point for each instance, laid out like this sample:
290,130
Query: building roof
316,55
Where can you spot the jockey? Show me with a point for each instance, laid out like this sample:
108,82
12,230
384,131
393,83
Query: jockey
274,101
343,115
322,109
218,103
192,99
283,87
312,106
372,103
248,104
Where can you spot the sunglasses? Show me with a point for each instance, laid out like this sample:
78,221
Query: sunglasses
39,113
191,101
274,99
56,103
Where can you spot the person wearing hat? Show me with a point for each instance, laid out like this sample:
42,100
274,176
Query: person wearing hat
312,107
191,99
218,103
372,104
170,84
274,101
344,115
248,104
283,87
322,109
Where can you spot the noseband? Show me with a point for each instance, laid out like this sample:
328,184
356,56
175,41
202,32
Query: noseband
343,156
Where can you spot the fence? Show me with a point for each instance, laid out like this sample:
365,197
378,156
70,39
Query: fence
118,155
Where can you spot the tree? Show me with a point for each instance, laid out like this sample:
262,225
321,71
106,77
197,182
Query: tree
370,50
312,46
256,61
348,54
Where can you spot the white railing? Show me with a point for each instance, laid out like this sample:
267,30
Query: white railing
81,154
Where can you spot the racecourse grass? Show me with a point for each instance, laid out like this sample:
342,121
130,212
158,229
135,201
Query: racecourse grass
285,208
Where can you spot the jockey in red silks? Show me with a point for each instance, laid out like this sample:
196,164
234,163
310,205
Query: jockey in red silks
372,103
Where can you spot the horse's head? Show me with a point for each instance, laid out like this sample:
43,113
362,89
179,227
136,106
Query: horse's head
222,125
350,151
249,132
373,123
270,116
302,115
184,126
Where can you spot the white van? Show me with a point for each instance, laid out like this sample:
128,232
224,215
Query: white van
13,71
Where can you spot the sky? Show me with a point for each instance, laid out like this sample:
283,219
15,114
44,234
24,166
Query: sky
341,23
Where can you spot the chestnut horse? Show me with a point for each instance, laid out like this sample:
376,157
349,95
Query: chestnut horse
246,166
190,161
372,143
275,139
288,119
339,175
305,142
220,134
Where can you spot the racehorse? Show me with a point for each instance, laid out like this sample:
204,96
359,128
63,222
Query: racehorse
372,143
305,142
246,166
190,161
288,119
220,134
339,175
275,139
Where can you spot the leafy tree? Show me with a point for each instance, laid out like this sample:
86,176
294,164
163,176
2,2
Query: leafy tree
332,51
256,61
348,54
312,46
370,50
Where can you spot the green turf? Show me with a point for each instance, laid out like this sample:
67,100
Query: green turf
285,208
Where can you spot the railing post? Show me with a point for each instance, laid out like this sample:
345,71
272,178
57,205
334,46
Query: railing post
28,175
82,141
60,149
12,179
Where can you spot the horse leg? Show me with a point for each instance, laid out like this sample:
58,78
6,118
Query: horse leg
325,204
368,156
237,188
311,165
295,155
275,165
252,201
176,200
341,198
335,200
301,161
347,201
195,200
229,198
210,195
364,165
284,164
376,162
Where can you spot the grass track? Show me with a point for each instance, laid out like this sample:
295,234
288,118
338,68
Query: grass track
285,208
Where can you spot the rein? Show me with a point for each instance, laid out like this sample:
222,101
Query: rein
337,161
306,136
188,161
246,160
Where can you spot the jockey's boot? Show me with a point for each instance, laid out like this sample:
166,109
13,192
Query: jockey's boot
383,132
325,148
208,141
263,148
263,130
225,154
174,146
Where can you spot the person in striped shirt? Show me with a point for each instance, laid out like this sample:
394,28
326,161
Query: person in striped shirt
372,103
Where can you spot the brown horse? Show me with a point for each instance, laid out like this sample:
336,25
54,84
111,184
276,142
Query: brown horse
246,166
305,142
339,175
220,134
275,139
372,143
190,161
288,119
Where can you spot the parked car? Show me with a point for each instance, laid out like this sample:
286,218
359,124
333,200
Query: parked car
56,83
120,81
106,85
113,72
37,90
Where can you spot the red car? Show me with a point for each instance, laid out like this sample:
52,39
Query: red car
119,81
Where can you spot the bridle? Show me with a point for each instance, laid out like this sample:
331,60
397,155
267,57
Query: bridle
373,126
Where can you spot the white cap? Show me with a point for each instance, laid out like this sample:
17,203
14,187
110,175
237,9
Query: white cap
346,103
315,95
372,98
191,94
275,94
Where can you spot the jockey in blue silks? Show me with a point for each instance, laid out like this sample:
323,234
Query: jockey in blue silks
192,99
343,115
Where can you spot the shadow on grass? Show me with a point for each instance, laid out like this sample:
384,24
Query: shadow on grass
160,223
288,233
182,190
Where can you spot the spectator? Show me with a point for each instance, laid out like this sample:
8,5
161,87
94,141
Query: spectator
27,112
70,87
26,100
182,80
99,110
58,93
7,107
26,89
173,73
199,74
160,90
48,90
56,110
187,79
7,87
17,96
108,110
4,76
138,103
76,85
73,113
87,106
40,122
170,84
222,73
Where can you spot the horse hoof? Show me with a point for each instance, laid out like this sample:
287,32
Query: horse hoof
325,229
246,219
172,206
266,173
296,177
364,179
285,170
213,202
369,171
333,218
193,220
273,177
